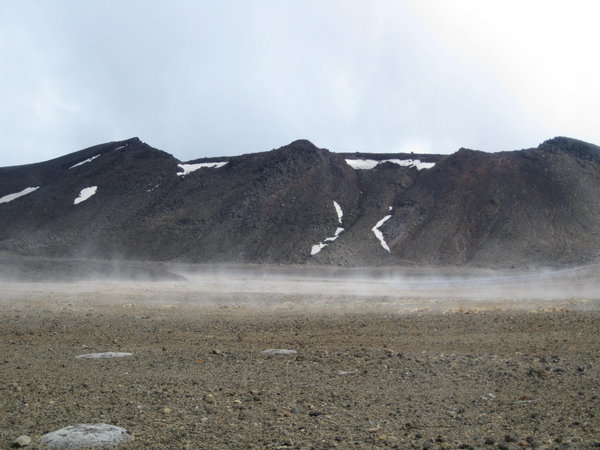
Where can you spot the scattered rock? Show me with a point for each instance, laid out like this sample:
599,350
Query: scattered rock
103,355
216,351
279,352
22,441
86,435
531,441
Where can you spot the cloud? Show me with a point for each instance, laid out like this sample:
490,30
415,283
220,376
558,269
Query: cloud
199,78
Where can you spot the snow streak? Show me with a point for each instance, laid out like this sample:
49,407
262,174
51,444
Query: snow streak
11,197
338,210
84,162
318,247
365,164
379,234
189,168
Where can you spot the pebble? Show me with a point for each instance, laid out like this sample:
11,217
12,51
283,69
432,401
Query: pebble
279,352
22,441
85,436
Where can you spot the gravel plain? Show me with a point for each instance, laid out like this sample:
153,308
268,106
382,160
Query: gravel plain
375,374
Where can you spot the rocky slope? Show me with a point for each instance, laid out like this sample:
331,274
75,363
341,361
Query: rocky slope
302,204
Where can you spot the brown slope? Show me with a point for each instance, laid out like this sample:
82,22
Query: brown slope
536,206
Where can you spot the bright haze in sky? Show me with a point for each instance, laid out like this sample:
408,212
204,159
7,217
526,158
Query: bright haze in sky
212,78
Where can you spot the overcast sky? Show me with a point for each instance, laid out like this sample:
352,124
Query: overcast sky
208,78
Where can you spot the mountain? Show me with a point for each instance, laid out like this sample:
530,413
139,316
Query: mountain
301,204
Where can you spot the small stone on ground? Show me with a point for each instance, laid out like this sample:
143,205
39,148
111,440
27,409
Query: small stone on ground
22,441
104,355
279,351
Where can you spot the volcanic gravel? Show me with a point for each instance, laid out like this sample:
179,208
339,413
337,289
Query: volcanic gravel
198,377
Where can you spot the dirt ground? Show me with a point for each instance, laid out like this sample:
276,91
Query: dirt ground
460,378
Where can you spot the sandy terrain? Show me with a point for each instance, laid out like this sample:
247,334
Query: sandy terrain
418,361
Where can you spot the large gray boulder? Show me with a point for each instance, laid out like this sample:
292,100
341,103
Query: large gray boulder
86,435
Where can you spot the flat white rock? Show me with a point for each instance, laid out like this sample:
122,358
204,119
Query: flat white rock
279,351
103,355
86,435
22,441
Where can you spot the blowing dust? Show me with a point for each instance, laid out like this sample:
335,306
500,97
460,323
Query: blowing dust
401,290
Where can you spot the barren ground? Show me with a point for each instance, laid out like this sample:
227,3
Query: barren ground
372,371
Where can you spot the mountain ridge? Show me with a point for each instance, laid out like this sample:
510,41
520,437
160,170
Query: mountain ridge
534,206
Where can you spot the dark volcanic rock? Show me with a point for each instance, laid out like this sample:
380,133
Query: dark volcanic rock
535,206
526,207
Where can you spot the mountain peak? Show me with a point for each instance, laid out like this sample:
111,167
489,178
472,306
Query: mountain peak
302,143
574,147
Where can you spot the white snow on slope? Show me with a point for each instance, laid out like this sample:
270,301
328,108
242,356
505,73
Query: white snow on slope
84,162
379,234
338,230
189,168
338,210
362,164
365,164
11,197
318,247
85,194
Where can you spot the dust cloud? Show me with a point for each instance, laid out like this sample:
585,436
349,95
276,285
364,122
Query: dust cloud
289,288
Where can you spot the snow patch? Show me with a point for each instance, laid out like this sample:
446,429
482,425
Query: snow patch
365,164
318,247
362,164
189,168
84,162
338,230
379,234
119,148
11,197
338,210
85,194
419,165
